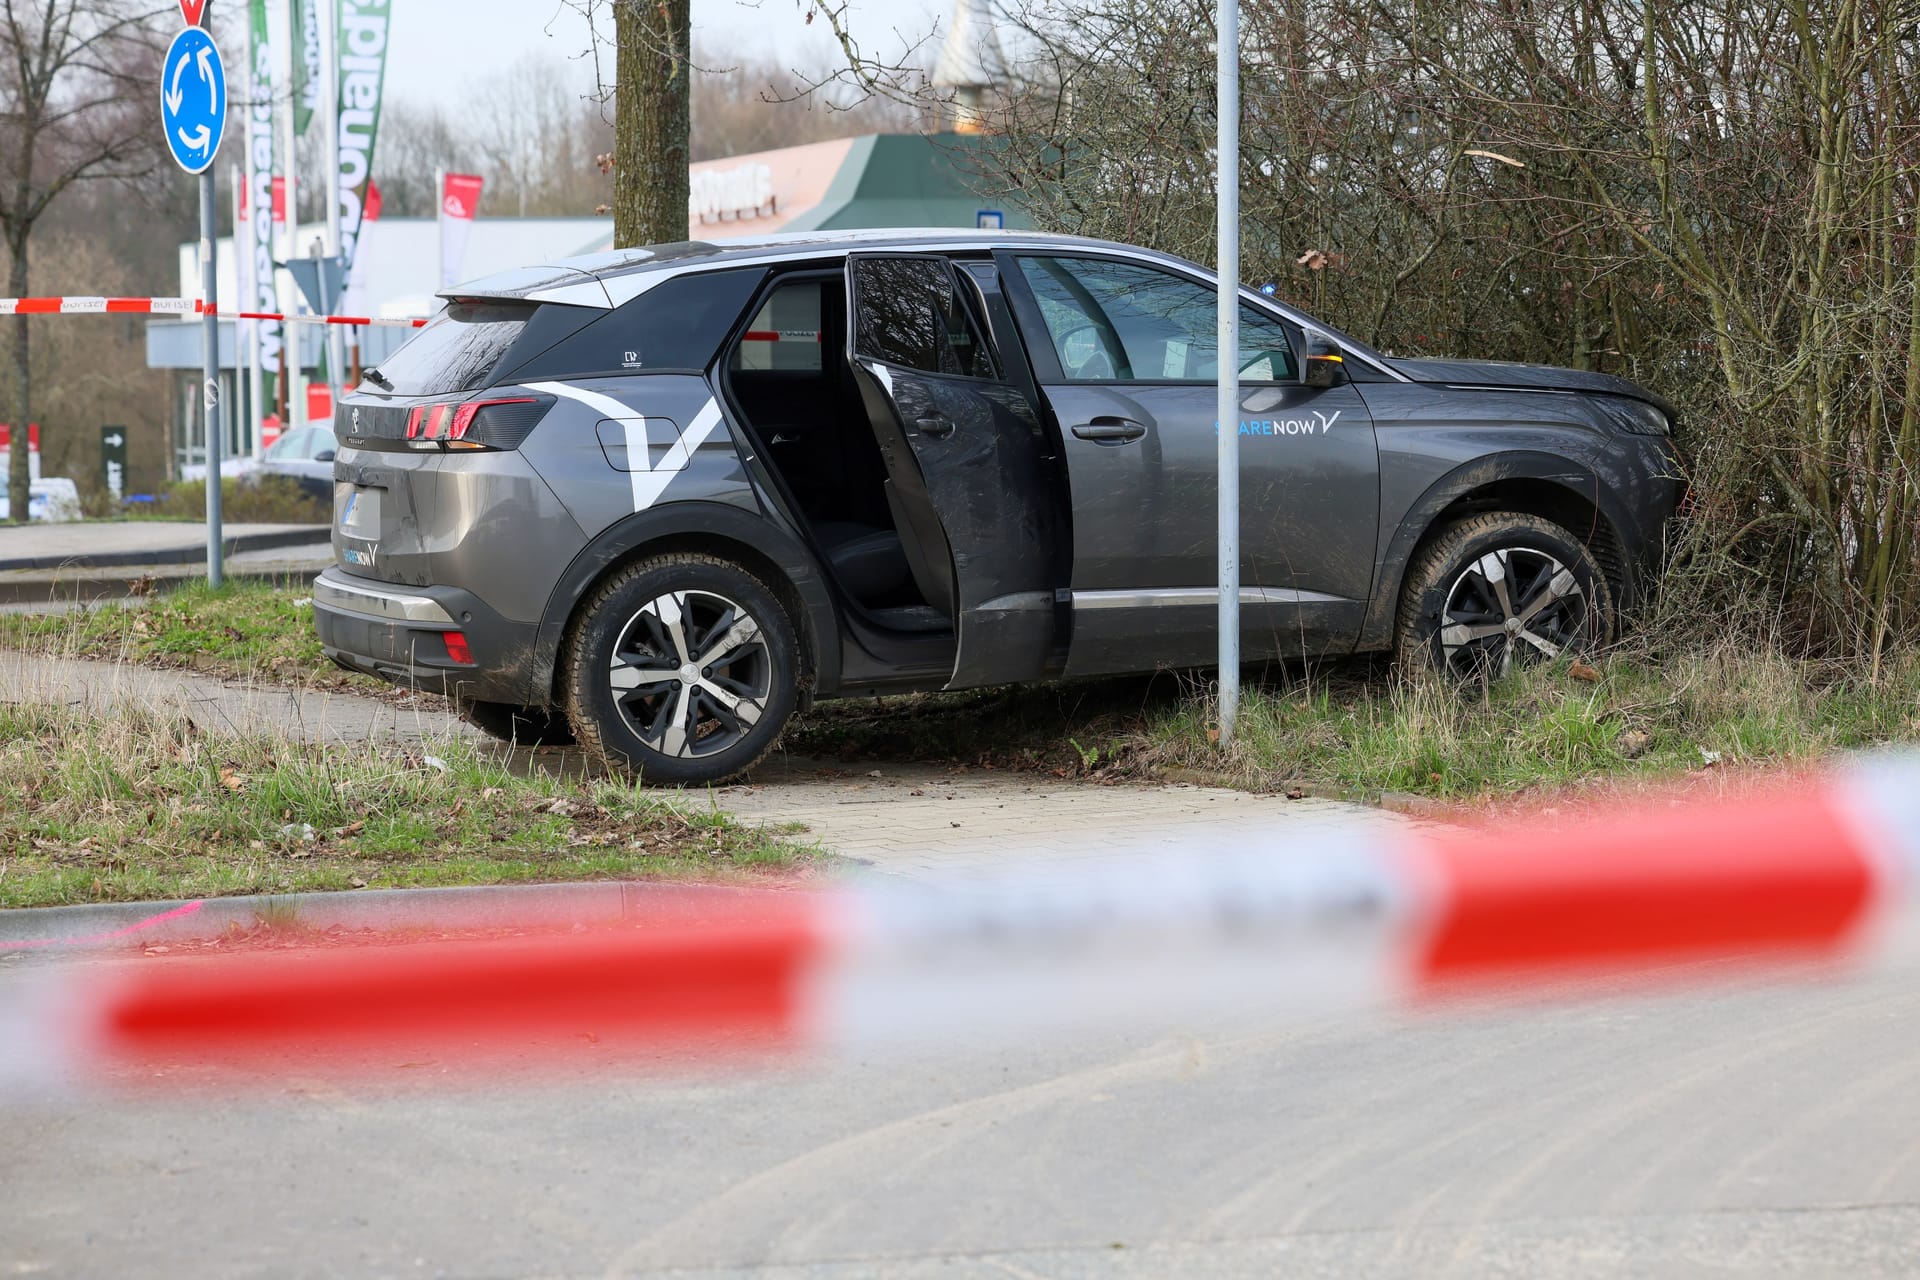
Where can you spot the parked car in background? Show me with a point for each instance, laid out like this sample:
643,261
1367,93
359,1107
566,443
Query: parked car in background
660,498
305,455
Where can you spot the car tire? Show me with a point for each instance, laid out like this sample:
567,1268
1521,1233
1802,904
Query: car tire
637,706
1500,590
524,726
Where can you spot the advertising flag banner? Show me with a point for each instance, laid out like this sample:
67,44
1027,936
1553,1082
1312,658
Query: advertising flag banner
262,197
306,62
364,31
459,205
355,301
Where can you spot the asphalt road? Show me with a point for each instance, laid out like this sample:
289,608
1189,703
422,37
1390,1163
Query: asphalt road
1756,1132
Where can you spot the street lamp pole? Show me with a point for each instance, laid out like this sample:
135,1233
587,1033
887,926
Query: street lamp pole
1227,405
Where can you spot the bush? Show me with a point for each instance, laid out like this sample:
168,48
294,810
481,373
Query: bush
1720,206
254,500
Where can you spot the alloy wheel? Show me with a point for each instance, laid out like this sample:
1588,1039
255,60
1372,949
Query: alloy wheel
1511,604
691,673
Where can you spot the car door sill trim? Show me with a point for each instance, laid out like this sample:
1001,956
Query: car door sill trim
1160,597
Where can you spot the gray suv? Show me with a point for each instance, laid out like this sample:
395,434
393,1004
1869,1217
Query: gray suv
657,499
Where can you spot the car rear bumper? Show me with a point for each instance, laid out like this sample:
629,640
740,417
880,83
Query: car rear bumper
400,634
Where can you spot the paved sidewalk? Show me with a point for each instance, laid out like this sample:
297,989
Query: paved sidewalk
101,544
921,820
222,706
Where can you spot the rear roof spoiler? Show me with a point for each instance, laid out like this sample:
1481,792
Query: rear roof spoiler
561,285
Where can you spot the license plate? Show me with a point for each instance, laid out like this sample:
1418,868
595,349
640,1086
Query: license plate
360,517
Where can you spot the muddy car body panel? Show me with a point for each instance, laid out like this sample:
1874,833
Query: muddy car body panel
954,458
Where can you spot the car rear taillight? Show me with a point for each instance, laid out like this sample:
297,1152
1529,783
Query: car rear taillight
500,423
463,416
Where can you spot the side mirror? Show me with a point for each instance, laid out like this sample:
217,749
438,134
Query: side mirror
1326,363
325,455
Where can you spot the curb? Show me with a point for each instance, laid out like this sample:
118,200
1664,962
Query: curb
34,586
120,926
304,536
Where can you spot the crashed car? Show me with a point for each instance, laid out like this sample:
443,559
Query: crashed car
660,498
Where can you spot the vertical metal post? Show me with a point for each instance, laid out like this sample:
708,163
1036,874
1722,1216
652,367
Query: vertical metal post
1227,406
246,333
210,371
293,344
329,114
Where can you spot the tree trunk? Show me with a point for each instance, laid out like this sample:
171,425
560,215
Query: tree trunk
19,408
651,91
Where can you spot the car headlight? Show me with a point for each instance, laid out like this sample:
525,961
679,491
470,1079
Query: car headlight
1636,416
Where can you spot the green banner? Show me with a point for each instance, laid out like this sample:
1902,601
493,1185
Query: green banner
305,17
365,26
258,272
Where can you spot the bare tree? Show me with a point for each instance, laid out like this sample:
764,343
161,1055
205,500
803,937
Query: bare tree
761,104
1717,200
76,84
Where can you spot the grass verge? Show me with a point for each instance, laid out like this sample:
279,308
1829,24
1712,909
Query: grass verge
248,629
136,804
1358,732
1348,729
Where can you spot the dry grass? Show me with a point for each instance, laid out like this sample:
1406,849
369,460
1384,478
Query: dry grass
129,803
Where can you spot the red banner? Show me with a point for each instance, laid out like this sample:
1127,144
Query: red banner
459,205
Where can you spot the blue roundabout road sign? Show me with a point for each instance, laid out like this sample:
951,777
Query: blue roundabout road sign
193,99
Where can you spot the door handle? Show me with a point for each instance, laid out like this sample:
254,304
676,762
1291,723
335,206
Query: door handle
937,425
1110,430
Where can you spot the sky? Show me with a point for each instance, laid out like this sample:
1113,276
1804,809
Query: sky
441,46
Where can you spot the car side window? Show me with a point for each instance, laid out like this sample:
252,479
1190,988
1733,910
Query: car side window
912,313
1126,322
785,334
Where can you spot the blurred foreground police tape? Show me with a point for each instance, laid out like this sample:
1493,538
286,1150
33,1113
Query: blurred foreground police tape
101,306
1809,875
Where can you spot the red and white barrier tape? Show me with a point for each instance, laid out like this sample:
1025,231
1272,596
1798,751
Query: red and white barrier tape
88,306
1811,875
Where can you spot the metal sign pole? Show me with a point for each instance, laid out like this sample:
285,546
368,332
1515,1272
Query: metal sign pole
1227,406
210,370
193,114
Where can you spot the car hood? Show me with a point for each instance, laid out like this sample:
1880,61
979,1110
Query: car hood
1527,377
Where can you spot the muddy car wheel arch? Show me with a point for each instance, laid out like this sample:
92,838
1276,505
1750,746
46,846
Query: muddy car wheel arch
710,528
1425,518
1498,589
660,661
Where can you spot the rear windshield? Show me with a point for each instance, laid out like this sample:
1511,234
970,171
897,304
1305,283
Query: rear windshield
458,350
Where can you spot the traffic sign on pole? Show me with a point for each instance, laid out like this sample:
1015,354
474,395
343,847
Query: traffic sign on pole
193,111
193,99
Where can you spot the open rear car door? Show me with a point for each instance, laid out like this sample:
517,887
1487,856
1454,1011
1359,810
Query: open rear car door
969,479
